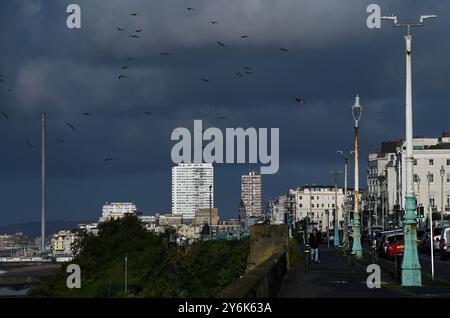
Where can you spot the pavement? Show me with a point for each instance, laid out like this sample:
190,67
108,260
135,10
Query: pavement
333,278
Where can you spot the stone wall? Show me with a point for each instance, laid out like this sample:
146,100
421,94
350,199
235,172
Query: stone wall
267,264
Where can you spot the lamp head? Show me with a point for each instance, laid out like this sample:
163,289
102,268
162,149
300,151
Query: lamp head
427,16
356,111
392,18
442,171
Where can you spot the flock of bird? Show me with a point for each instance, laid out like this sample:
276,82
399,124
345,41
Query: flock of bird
127,66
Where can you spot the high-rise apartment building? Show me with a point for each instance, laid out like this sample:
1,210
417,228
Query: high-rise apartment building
190,188
251,193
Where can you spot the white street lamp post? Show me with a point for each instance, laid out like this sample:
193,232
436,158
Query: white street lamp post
411,274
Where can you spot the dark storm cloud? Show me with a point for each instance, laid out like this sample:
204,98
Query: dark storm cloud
332,56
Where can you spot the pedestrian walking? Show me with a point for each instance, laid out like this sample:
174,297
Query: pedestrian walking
314,242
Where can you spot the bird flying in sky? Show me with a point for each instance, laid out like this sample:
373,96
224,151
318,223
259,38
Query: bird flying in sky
60,140
206,80
284,50
300,100
125,67
220,43
189,8
138,31
70,126
222,117
165,53
30,144
147,113
134,36
244,36
129,59
122,76
120,29
133,14
214,22
87,114
109,159
5,115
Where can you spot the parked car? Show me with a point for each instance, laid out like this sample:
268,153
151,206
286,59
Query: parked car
444,244
391,244
394,245
425,246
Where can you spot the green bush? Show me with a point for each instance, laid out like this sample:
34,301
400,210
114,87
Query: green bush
155,268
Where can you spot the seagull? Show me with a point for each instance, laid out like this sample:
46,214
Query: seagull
120,29
206,80
220,43
300,100
70,126
125,67
138,31
5,115
133,14
148,113
122,76
214,22
2,80
190,9
248,72
284,50
30,144
129,59
222,117
109,159
165,53
244,36
239,74
87,114
60,140
134,36
248,68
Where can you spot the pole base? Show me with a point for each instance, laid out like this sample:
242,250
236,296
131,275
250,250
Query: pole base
411,277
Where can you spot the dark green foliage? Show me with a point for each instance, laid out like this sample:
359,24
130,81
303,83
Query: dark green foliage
155,268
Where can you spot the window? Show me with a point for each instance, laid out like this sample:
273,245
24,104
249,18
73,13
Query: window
448,200
416,179
448,162
323,205
300,205
317,198
300,198
430,177
312,198
392,157
430,162
448,177
332,205
431,201
415,162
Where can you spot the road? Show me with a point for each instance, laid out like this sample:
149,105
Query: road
441,268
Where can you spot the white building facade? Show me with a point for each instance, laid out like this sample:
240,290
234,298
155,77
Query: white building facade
190,188
318,203
386,174
116,210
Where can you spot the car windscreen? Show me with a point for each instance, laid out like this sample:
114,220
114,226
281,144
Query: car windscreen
395,238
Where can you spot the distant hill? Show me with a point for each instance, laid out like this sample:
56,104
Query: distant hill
34,228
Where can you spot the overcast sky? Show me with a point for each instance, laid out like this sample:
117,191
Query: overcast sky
332,56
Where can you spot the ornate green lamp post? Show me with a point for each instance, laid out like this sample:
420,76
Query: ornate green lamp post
411,274
357,249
